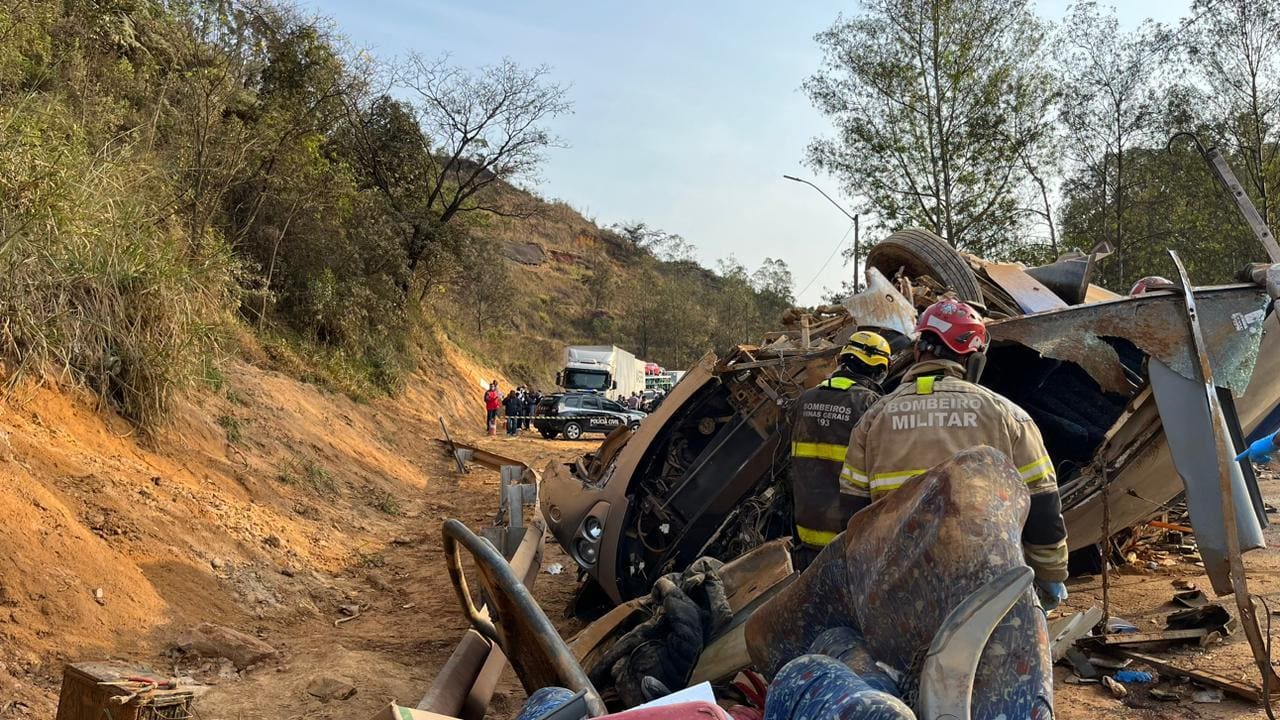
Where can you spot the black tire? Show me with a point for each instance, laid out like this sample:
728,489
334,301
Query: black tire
547,434
921,252
633,426
572,431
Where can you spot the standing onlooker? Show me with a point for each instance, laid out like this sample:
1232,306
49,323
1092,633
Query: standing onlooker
531,399
633,402
514,406
492,401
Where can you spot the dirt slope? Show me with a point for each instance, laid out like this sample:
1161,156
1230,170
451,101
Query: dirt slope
266,507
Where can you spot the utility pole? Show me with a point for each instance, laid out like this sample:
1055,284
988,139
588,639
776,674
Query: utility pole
857,279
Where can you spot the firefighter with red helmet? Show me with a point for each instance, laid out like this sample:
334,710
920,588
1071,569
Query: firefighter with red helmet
936,412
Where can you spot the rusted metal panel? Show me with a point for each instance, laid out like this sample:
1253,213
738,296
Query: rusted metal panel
880,305
1229,316
1030,294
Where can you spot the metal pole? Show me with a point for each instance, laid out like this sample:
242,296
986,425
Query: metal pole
857,279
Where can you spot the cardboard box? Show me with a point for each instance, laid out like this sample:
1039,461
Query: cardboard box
395,712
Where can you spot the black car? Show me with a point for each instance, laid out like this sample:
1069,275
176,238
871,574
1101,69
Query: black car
572,414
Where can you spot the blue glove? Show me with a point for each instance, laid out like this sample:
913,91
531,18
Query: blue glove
1050,593
1260,451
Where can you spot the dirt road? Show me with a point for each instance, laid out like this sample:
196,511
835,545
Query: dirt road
411,622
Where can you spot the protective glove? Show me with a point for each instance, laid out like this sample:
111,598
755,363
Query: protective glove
1050,593
1260,451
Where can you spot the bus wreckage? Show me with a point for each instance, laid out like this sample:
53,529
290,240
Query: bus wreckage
1139,398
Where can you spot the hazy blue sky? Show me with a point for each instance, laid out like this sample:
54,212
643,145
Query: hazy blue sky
686,114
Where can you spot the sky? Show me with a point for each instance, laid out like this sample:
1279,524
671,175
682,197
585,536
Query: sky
686,115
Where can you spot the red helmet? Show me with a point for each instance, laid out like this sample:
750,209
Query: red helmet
956,324
1150,282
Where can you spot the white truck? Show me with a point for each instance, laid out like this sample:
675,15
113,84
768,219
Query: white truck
605,369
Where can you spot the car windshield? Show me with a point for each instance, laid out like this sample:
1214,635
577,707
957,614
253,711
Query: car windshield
586,379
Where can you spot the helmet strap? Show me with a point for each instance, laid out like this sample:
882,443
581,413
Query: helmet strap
974,364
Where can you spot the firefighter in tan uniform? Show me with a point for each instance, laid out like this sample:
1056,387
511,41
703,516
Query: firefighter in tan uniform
824,418
936,413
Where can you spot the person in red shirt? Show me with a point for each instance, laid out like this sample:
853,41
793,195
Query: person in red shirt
492,401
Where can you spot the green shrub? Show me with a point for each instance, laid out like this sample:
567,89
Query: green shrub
385,502
232,427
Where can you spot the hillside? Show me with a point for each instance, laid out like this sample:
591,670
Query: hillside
568,281
265,507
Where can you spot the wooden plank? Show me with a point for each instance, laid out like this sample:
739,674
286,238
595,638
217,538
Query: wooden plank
1115,639
1242,690
723,658
749,576
590,637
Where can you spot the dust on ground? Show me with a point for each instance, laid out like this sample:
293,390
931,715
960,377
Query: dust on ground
271,505
1144,597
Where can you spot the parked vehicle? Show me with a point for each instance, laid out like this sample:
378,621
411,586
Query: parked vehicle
575,414
606,369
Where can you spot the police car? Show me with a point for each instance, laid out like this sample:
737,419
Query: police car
576,413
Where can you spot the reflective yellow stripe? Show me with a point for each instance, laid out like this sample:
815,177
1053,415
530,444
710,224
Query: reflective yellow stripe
924,384
821,451
1037,470
816,538
838,383
899,474
853,476
885,482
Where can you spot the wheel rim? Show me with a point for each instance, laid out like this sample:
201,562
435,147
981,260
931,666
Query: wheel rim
572,431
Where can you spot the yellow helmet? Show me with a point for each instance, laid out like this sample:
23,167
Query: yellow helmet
871,348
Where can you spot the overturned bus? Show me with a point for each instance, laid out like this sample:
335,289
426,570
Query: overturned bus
1114,383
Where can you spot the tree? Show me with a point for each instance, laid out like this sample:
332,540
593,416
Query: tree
449,149
1172,202
601,282
773,278
1109,105
488,295
934,103
736,306
663,245
1236,48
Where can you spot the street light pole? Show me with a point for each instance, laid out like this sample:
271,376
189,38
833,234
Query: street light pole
857,282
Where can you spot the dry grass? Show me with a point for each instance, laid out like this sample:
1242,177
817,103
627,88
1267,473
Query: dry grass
96,278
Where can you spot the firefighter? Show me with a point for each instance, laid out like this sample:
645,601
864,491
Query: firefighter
937,412
824,418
